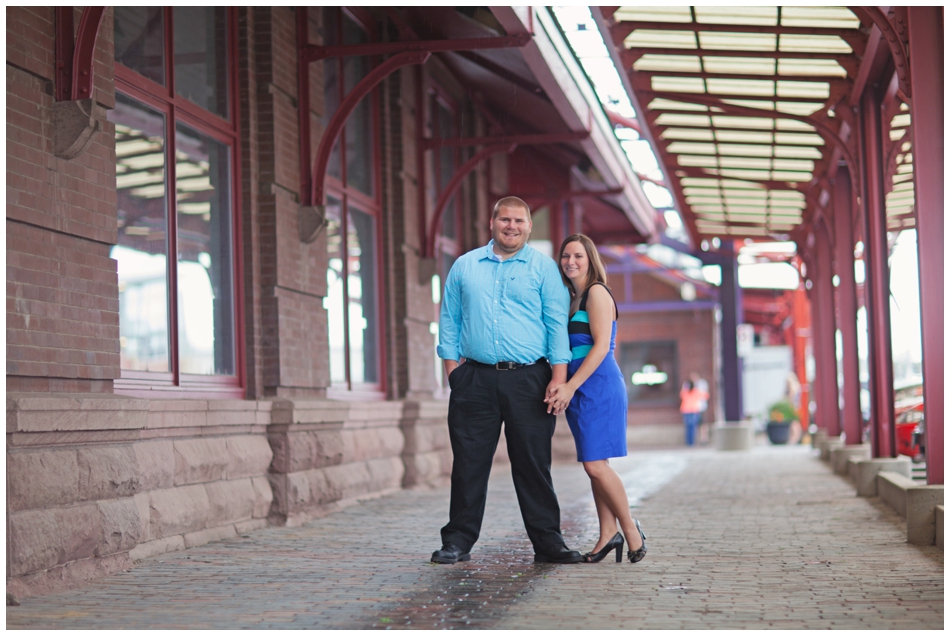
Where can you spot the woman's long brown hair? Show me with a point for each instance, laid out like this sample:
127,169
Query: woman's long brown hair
596,273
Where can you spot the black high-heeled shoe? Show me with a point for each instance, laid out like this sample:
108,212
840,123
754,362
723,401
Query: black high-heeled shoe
639,553
615,543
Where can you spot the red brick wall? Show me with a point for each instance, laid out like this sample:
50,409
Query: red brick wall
695,333
62,287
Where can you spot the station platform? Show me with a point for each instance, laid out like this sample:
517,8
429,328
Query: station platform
765,539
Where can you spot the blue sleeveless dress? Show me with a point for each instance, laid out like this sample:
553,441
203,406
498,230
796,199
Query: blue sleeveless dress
597,413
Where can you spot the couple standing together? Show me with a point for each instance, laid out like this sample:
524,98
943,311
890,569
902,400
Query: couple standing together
513,353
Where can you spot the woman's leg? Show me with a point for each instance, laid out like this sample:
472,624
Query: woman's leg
607,485
605,517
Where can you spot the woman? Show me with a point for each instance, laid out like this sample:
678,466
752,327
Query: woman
595,396
691,406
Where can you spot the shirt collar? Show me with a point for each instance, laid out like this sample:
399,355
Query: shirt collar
489,253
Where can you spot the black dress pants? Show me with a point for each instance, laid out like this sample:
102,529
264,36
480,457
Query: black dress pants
482,398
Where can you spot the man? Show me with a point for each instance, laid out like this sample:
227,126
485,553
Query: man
504,316
703,386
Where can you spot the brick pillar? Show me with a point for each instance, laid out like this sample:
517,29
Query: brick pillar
62,284
293,275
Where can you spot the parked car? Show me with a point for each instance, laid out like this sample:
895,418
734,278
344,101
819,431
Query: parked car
909,420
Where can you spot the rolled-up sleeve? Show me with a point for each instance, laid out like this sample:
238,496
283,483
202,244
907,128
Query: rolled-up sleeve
450,317
555,301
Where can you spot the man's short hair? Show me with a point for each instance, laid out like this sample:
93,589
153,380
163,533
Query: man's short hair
510,202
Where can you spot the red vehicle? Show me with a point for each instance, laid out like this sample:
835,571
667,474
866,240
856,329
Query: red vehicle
909,420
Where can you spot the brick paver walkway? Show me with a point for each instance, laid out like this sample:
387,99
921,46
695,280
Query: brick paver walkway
767,539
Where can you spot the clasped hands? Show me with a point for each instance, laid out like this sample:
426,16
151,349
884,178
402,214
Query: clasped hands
558,397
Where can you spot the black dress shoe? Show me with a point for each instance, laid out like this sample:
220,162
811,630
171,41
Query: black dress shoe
450,553
557,554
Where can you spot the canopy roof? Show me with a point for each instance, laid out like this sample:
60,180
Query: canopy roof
740,102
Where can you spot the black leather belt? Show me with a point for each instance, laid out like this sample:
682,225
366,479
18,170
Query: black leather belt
503,366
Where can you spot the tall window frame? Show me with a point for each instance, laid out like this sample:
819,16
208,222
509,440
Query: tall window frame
181,113
352,371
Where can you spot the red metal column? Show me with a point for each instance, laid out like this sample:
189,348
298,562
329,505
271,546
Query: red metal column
801,329
926,73
877,279
826,361
847,306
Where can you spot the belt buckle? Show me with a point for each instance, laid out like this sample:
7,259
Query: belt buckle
507,366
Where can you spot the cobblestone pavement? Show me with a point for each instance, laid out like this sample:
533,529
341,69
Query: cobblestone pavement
767,539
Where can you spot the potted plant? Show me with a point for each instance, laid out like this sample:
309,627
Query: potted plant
781,416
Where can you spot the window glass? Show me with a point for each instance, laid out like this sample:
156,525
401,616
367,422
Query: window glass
446,130
333,302
140,41
363,314
141,252
205,254
650,371
331,85
359,143
201,47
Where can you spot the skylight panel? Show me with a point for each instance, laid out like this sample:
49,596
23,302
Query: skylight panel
678,84
792,67
671,63
644,38
728,121
687,133
782,175
660,103
765,16
813,44
699,182
739,65
701,161
676,119
786,88
793,124
744,162
692,148
659,196
745,150
654,14
797,152
737,41
753,88
744,137
820,17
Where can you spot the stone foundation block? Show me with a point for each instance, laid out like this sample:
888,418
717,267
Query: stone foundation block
156,460
248,456
107,472
827,446
230,501
892,489
866,470
368,444
359,478
423,468
245,527
68,576
840,455
41,479
208,535
263,497
200,460
158,546
819,436
42,539
425,437
732,437
921,520
297,451
177,510
141,503
120,526
938,518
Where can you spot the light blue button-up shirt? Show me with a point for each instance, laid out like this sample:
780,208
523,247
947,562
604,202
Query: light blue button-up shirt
512,310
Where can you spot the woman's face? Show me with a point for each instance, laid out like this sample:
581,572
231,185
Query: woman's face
575,264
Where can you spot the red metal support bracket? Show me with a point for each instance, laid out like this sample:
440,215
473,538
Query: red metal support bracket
453,185
554,138
312,53
74,60
894,43
335,127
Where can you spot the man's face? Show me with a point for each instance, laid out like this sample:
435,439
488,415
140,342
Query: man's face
511,229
